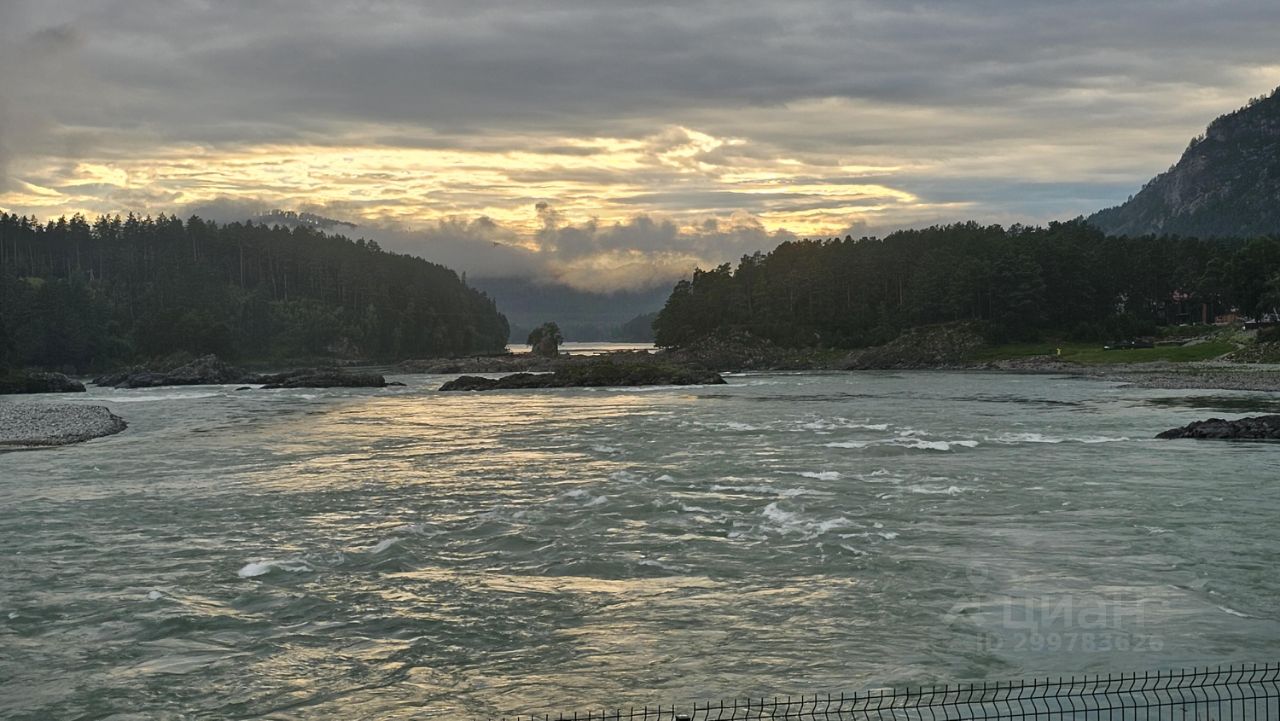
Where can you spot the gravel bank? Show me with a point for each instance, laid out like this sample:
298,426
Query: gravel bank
54,424
1208,375
1204,378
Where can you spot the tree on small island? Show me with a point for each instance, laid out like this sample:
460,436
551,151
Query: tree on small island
545,340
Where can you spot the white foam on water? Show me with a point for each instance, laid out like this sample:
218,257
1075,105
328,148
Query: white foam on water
1023,438
606,449
591,501
262,567
1012,438
937,490
820,475
886,535
737,426
383,545
911,440
837,423
819,425
626,476
694,509
155,595
793,522
418,529
1233,612
772,490
144,396
937,445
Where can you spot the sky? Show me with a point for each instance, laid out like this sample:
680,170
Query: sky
607,144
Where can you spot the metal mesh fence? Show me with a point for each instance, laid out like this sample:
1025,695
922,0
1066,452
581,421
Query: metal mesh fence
1202,694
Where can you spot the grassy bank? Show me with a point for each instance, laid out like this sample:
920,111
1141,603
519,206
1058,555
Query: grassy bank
1093,353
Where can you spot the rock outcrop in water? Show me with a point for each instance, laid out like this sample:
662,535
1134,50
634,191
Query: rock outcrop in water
601,374
1257,428
38,382
322,378
206,370
55,424
212,370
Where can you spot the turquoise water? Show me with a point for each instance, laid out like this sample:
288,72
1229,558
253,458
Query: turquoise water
402,553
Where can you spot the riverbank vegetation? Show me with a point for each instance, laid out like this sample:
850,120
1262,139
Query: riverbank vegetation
83,295
1066,281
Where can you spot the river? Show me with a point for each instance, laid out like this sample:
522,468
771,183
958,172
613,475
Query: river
402,553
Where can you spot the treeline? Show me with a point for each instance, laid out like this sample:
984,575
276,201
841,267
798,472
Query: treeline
81,295
1019,282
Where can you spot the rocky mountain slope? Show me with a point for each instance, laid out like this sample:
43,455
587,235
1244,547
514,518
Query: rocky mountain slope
1227,183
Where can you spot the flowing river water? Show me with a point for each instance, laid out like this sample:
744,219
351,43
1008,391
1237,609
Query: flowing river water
403,553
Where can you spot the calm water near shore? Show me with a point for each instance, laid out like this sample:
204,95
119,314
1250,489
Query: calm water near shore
399,553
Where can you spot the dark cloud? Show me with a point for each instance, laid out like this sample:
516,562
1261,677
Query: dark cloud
286,68
978,108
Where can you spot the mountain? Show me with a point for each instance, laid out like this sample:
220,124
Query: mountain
581,315
1227,183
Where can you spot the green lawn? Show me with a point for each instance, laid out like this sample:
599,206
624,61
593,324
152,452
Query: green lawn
1092,353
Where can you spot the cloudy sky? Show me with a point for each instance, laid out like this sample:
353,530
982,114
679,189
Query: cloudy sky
609,143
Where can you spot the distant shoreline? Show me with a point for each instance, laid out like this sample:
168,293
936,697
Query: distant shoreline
1207,375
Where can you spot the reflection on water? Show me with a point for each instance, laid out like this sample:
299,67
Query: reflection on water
1244,403
391,553
586,348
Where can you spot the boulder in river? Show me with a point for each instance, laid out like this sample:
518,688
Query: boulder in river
594,375
322,378
203,371
1256,428
39,382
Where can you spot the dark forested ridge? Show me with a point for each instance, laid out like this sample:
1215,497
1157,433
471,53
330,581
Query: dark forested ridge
582,315
84,295
1020,282
1226,185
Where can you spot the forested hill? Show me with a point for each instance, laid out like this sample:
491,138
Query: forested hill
87,295
1018,282
1227,183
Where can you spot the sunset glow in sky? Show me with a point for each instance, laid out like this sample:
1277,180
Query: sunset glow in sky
611,144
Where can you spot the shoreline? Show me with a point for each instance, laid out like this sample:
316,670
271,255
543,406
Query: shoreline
1158,375
25,426
1187,375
